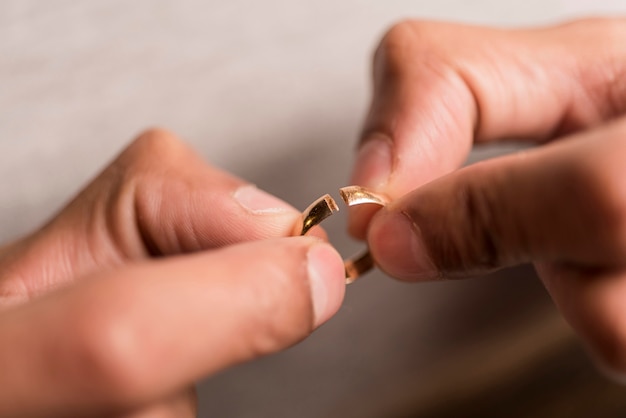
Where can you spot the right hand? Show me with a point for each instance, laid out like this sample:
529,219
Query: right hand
441,87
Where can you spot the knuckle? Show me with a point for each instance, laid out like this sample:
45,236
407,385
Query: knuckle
425,37
402,43
604,81
153,148
413,33
401,32
420,50
613,32
608,28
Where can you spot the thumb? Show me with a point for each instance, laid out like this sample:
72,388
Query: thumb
563,203
140,333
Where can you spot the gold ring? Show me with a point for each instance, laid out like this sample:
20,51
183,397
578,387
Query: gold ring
325,206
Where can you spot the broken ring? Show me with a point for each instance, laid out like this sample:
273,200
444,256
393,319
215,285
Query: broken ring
325,206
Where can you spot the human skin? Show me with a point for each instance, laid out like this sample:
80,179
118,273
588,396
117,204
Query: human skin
439,88
162,271
165,270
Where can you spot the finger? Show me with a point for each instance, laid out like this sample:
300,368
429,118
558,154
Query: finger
565,202
133,336
592,301
439,87
174,202
157,198
181,405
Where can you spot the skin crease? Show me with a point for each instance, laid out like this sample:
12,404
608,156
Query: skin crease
438,89
145,265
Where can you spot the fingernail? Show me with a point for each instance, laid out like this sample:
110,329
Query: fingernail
373,163
260,202
327,281
397,247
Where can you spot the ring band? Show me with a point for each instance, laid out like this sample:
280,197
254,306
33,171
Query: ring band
325,206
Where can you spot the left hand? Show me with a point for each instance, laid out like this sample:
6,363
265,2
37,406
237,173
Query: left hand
105,311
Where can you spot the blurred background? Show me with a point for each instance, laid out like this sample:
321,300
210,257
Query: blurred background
275,91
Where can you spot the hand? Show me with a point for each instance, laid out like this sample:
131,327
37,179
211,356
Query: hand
438,89
145,284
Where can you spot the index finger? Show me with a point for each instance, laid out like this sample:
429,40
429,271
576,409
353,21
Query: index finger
438,88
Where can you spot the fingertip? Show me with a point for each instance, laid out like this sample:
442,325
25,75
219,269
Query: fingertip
359,218
372,170
397,248
326,275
